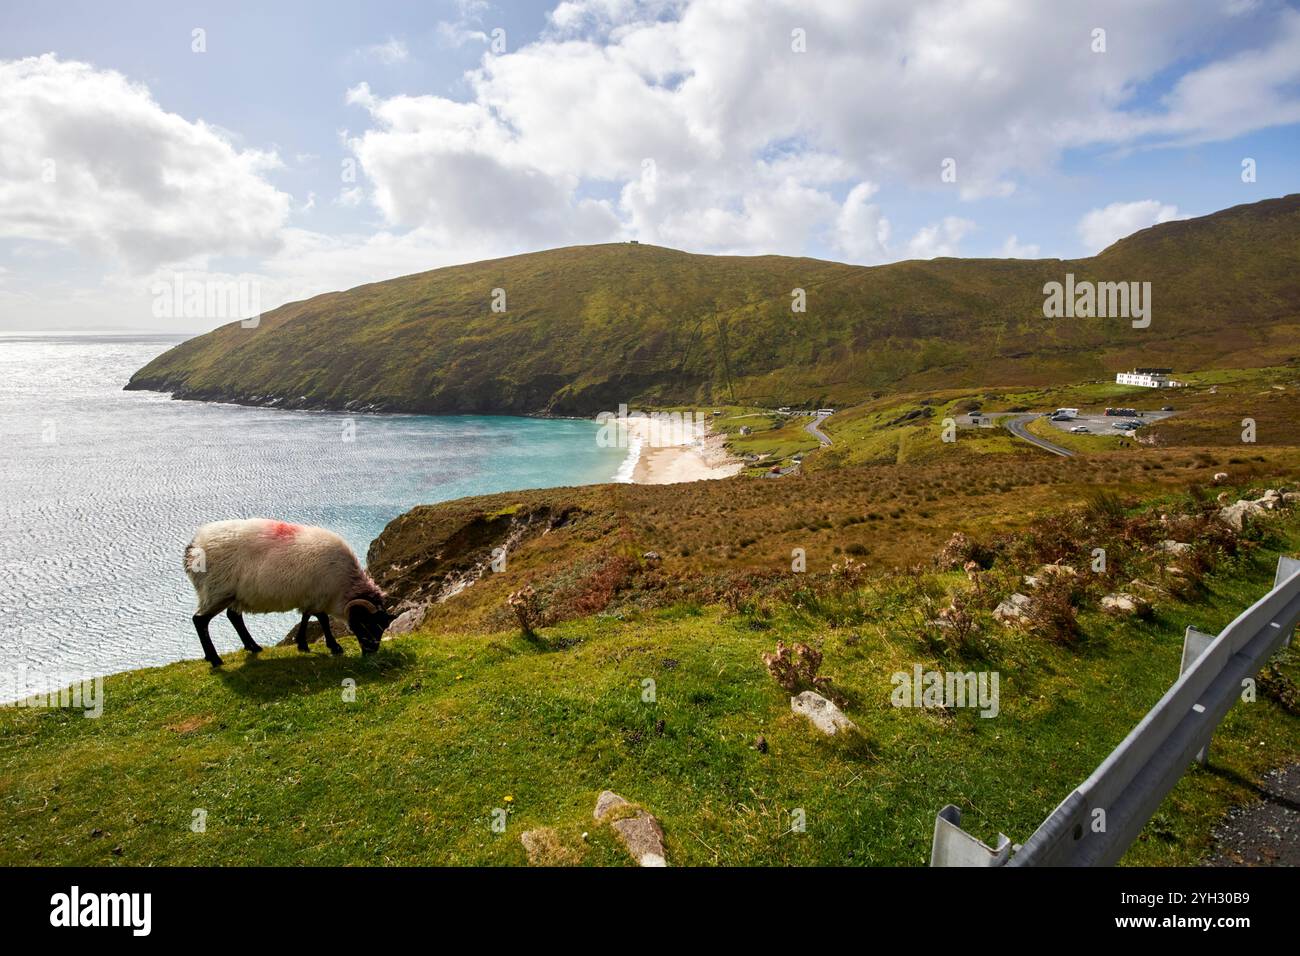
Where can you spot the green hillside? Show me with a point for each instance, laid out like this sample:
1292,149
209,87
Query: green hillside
588,327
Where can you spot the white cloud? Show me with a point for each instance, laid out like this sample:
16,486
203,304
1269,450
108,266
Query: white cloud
749,142
861,231
90,160
1101,227
940,239
1014,249
389,53
750,138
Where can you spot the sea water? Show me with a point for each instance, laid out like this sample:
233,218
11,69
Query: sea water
101,489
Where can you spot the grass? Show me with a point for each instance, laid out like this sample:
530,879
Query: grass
446,730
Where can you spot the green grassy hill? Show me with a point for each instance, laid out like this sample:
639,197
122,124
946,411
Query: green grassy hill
286,767
588,327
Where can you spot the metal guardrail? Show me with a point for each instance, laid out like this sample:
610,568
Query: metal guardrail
1096,823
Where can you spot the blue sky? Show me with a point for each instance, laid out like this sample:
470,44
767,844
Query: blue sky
130,157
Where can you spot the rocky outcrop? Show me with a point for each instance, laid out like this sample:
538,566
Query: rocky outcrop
821,713
1013,610
638,829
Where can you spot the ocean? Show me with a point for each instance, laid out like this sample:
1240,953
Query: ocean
102,490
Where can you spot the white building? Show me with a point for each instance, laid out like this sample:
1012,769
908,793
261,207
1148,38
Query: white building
1147,378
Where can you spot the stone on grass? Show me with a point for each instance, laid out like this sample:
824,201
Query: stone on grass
639,830
823,714
408,621
1170,546
1013,609
1122,603
1235,514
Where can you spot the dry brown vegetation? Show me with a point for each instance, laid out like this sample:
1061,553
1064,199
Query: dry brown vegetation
731,542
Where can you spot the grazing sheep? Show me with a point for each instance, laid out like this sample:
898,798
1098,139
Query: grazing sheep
260,566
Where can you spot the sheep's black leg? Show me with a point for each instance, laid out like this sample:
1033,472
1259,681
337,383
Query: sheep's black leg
302,635
241,629
209,652
332,644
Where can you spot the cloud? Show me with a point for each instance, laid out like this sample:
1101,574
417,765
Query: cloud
89,160
861,231
1101,227
939,239
1014,249
742,128
390,53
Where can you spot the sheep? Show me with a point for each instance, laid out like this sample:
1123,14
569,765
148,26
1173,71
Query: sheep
260,566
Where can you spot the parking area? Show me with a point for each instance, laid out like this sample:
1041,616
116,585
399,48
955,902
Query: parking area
1099,423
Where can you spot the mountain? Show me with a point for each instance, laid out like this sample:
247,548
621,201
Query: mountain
588,327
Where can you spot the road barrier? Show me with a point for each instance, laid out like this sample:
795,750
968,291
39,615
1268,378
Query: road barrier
1096,823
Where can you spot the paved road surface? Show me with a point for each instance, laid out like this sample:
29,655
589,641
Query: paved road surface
1016,425
812,429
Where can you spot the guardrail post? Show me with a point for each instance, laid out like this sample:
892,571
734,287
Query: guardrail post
1285,568
953,846
1195,643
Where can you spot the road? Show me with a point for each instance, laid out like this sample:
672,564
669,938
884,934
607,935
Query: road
812,429
1016,425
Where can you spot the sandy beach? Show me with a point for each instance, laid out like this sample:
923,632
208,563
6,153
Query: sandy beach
683,452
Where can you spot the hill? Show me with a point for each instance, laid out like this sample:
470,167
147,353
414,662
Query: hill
588,327
448,748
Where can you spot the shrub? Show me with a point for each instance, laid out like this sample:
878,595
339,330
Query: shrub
1051,614
527,608
795,670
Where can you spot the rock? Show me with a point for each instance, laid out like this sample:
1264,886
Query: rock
1290,497
824,715
1007,614
1122,603
1236,514
1174,547
652,559
640,832
1063,569
1030,581
408,621
1013,609
1220,477
760,744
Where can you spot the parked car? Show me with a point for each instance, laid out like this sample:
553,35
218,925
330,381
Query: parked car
1167,408
1079,429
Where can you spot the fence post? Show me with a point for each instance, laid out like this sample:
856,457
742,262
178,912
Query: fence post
953,846
1195,643
1285,568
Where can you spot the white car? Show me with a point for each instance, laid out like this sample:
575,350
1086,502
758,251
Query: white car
1078,429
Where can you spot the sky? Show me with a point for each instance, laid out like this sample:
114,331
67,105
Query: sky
149,148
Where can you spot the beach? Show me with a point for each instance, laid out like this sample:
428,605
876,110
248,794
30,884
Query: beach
683,450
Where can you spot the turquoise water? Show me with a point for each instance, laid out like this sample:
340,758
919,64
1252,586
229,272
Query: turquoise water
103,488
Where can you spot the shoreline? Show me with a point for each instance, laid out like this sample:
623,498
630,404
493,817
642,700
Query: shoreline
684,451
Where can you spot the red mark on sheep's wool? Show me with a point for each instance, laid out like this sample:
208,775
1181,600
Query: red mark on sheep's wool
282,530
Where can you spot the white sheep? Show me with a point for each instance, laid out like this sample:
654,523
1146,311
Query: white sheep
260,566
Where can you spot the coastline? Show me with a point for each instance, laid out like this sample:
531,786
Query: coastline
657,455
668,455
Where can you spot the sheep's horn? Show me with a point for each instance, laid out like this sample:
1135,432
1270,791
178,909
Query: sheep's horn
360,602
